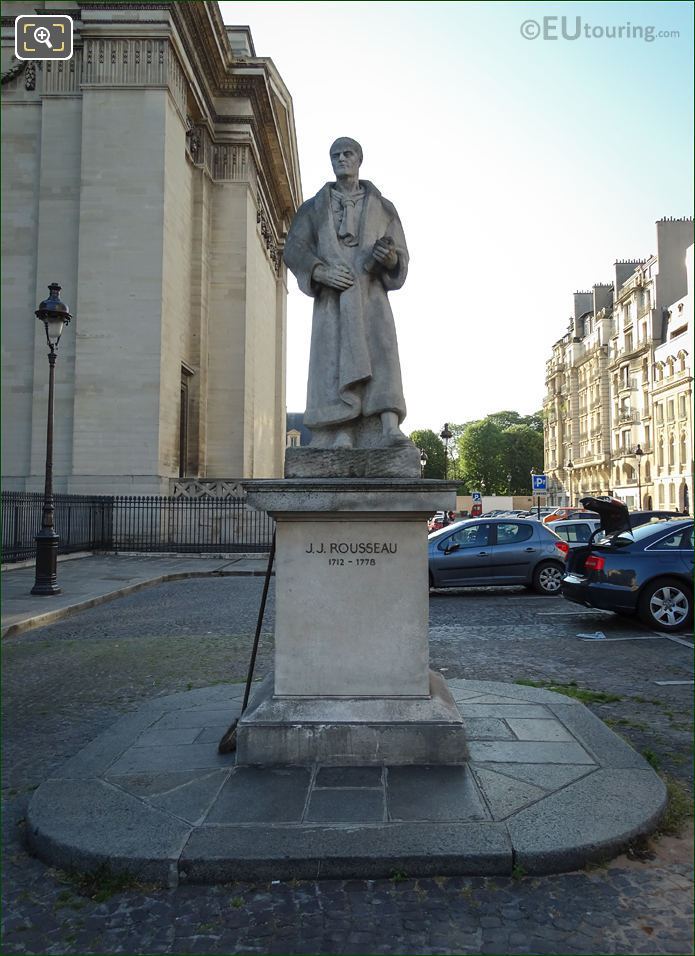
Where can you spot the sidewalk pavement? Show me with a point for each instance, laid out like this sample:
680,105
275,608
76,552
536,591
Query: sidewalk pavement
95,578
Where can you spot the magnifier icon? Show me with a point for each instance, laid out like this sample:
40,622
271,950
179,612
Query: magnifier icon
43,35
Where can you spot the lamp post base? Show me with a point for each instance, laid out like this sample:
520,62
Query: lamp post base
46,581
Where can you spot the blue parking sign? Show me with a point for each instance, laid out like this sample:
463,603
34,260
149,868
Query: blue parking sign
540,482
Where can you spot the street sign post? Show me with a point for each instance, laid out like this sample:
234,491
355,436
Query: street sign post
539,486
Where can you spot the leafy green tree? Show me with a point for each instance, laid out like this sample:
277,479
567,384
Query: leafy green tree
534,421
504,419
429,442
523,451
482,454
507,419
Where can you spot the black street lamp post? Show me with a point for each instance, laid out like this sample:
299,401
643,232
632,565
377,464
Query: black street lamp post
638,455
423,462
446,436
55,316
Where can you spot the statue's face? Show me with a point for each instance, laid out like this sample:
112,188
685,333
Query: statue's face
345,159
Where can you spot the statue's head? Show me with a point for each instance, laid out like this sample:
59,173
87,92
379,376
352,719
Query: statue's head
346,156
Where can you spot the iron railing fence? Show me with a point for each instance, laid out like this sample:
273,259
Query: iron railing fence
148,524
189,525
84,523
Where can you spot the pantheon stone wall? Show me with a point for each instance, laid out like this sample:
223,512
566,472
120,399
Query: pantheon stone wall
154,175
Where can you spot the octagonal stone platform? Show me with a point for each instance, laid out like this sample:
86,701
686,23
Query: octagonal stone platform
548,787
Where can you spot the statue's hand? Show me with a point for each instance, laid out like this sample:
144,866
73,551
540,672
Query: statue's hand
385,254
337,277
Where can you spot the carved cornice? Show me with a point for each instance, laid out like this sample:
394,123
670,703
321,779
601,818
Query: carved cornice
63,76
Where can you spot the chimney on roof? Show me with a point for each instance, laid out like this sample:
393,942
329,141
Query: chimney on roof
603,296
583,302
624,268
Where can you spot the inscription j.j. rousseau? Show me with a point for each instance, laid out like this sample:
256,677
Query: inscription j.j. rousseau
343,547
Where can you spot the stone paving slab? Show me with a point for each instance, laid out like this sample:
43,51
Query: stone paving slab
573,793
92,579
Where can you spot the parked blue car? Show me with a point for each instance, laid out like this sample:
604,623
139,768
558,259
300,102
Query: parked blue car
645,570
497,551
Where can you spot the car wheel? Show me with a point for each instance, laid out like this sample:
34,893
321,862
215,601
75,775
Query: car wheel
666,605
547,578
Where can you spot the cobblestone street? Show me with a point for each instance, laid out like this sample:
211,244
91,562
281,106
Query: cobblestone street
67,682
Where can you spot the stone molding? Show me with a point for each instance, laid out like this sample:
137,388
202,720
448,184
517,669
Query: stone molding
62,76
206,488
133,61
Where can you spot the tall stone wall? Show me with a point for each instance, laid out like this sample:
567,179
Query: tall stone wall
154,175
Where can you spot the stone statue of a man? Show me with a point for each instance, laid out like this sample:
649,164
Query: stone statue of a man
347,249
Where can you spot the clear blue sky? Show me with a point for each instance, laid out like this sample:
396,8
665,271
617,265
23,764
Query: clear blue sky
521,168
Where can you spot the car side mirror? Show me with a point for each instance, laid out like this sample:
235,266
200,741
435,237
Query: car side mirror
451,547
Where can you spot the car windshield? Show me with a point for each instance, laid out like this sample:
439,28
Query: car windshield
624,538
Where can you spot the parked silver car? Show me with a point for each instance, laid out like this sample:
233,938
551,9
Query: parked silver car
576,532
494,551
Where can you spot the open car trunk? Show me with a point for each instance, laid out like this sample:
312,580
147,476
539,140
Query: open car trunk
614,518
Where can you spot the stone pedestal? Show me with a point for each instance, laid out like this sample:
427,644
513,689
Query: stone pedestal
352,683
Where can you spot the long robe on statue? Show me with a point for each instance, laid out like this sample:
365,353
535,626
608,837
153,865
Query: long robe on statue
354,370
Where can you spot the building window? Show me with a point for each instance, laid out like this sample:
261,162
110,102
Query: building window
671,410
628,341
682,406
659,409
661,496
661,453
681,362
672,494
671,451
682,450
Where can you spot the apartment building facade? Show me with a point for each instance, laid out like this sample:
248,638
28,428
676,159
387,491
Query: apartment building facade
609,377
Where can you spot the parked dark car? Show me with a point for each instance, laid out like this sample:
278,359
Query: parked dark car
492,551
645,517
645,570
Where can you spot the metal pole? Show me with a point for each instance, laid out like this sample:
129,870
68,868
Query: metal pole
46,579
228,742
259,624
